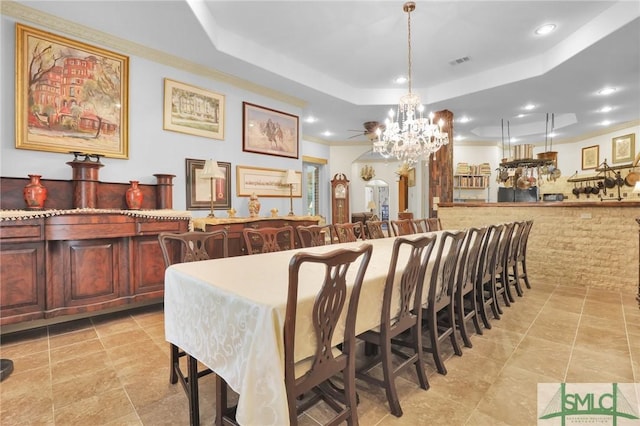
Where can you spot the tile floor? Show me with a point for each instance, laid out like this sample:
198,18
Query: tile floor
113,370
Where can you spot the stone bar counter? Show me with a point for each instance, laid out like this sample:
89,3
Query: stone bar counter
592,244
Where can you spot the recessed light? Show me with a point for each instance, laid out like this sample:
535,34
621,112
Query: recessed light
553,134
529,107
514,140
310,119
401,80
327,133
545,29
459,138
606,91
464,119
521,115
605,122
605,109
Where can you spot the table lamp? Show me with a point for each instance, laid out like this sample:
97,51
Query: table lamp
289,179
371,205
212,172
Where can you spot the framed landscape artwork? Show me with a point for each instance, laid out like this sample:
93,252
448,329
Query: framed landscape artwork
623,148
70,96
590,157
199,188
192,110
265,182
267,131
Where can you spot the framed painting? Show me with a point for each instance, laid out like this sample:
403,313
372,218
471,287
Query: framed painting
411,177
199,188
70,96
623,148
267,131
192,110
590,157
265,182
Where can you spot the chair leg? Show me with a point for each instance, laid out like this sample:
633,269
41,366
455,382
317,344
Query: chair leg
194,406
516,280
452,336
221,400
461,322
351,397
175,363
524,272
389,379
435,344
417,347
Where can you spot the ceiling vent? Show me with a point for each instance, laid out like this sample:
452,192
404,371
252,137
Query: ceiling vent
459,61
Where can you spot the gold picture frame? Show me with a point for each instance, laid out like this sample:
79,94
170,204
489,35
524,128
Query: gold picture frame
193,110
267,131
623,148
590,157
265,182
411,177
70,96
199,188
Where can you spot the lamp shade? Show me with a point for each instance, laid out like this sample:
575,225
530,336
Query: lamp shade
290,177
636,188
371,205
212,170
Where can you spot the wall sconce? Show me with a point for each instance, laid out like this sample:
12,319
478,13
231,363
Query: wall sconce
290,179
212,172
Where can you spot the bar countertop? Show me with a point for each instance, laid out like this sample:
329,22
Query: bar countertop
630,204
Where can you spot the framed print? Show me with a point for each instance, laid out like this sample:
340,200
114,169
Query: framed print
199,188
192,110
267,131
265,182
411,177
590,157
623,148
70,96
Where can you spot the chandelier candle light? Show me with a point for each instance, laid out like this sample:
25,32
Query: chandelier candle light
212,172
408,135
290,179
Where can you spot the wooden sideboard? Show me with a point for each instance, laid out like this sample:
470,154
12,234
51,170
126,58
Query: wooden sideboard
84,254
234,227
81,264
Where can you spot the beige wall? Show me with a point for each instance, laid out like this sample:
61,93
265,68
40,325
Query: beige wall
578,245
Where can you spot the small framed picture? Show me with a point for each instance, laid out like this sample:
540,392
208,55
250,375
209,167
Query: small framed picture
267,131
199,189
590,157
623,148
193,110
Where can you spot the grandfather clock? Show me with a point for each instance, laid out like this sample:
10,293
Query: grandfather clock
340,199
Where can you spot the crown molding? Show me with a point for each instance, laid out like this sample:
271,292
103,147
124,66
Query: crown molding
54,23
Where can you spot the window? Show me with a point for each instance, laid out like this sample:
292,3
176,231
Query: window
313,170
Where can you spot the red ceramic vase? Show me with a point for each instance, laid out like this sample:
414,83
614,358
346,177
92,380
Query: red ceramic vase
134,196
34,193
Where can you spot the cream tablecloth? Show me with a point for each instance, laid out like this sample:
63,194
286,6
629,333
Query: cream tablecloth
229,314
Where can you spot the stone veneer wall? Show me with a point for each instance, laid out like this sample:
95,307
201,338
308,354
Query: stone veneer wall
577,244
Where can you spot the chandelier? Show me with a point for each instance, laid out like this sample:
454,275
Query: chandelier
408,135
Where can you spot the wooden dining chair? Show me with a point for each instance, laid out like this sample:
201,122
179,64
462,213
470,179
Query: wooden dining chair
500,271
511,262
465,299
519,269
438,317
315,235
268,239
181,248
398,318
434,224
420,225
485,284
349,232
376,229
308,381
402,227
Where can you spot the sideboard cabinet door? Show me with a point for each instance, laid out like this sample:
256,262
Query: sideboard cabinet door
22,282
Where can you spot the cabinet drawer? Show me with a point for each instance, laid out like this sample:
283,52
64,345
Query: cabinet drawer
21,232
143,228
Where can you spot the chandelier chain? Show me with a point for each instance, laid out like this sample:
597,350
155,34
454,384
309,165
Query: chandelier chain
409,43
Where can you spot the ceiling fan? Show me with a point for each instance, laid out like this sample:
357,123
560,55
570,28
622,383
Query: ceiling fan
369,131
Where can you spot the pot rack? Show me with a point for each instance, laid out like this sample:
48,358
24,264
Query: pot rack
526,162
603,167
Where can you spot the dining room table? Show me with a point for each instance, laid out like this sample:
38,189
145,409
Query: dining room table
229,314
